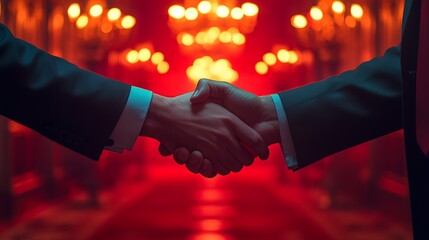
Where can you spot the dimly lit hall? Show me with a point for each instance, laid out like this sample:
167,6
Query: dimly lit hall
49,192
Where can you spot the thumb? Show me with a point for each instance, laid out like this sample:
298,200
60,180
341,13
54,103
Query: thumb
163,150
202,92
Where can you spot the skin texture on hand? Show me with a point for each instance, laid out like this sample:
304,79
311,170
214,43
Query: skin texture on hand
257,112
208,129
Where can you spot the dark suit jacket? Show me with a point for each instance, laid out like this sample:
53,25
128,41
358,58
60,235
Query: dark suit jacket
74,107
376,98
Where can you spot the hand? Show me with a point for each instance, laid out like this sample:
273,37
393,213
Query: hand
207,128
258,112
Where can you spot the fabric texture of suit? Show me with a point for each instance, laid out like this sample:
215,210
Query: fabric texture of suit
74,107
376,98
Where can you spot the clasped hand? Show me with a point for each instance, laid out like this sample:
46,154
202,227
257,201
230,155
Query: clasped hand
219,129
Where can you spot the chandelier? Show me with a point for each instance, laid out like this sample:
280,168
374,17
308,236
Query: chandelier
207,24
95,22
212,30
325,28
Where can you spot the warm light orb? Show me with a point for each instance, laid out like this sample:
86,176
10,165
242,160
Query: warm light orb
299,21
187,39
238,39
82,21
128,22
144,55
222,11
338,7
293,57
206,67
250,9
191,13
204,7
96,10
114,14
261,68
74,10
237,13
283,55
132,56
316,13
225,37
176,11
212,35
356,11
163,67
157,58
269,58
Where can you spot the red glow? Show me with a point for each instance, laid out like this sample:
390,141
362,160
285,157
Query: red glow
213,211
211,225
209,236
213,195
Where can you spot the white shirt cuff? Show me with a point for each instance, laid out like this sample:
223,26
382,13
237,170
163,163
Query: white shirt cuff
285,136
131,121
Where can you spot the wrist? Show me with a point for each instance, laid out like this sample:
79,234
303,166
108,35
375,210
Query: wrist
271,131
157,113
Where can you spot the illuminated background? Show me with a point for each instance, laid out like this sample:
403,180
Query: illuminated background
265,47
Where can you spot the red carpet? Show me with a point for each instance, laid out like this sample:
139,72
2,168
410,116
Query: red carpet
210,210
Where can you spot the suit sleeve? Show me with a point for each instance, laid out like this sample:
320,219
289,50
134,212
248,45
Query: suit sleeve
74,107
345,110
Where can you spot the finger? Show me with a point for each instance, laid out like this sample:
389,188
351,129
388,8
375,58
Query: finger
220,168
210,89
163,150
241,154
241,157
201,93
181,155
252,140
207,169
195,162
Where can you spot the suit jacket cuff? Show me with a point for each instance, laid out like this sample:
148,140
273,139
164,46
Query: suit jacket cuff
286,141
131,121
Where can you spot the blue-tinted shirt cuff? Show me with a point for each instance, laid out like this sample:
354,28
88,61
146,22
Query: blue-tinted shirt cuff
131,121
286,142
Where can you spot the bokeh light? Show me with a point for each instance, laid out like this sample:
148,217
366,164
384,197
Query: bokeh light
338,7
261,68
96,10
191,13
316,13
293,57
114,14
250,9
176,11
356,11
144,55
82,21
73,11
283,55
157,58
128,22
163,67
222,11
206,67
237,13
299,21
132,56
204,7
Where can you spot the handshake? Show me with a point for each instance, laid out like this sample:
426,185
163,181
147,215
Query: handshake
217,129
